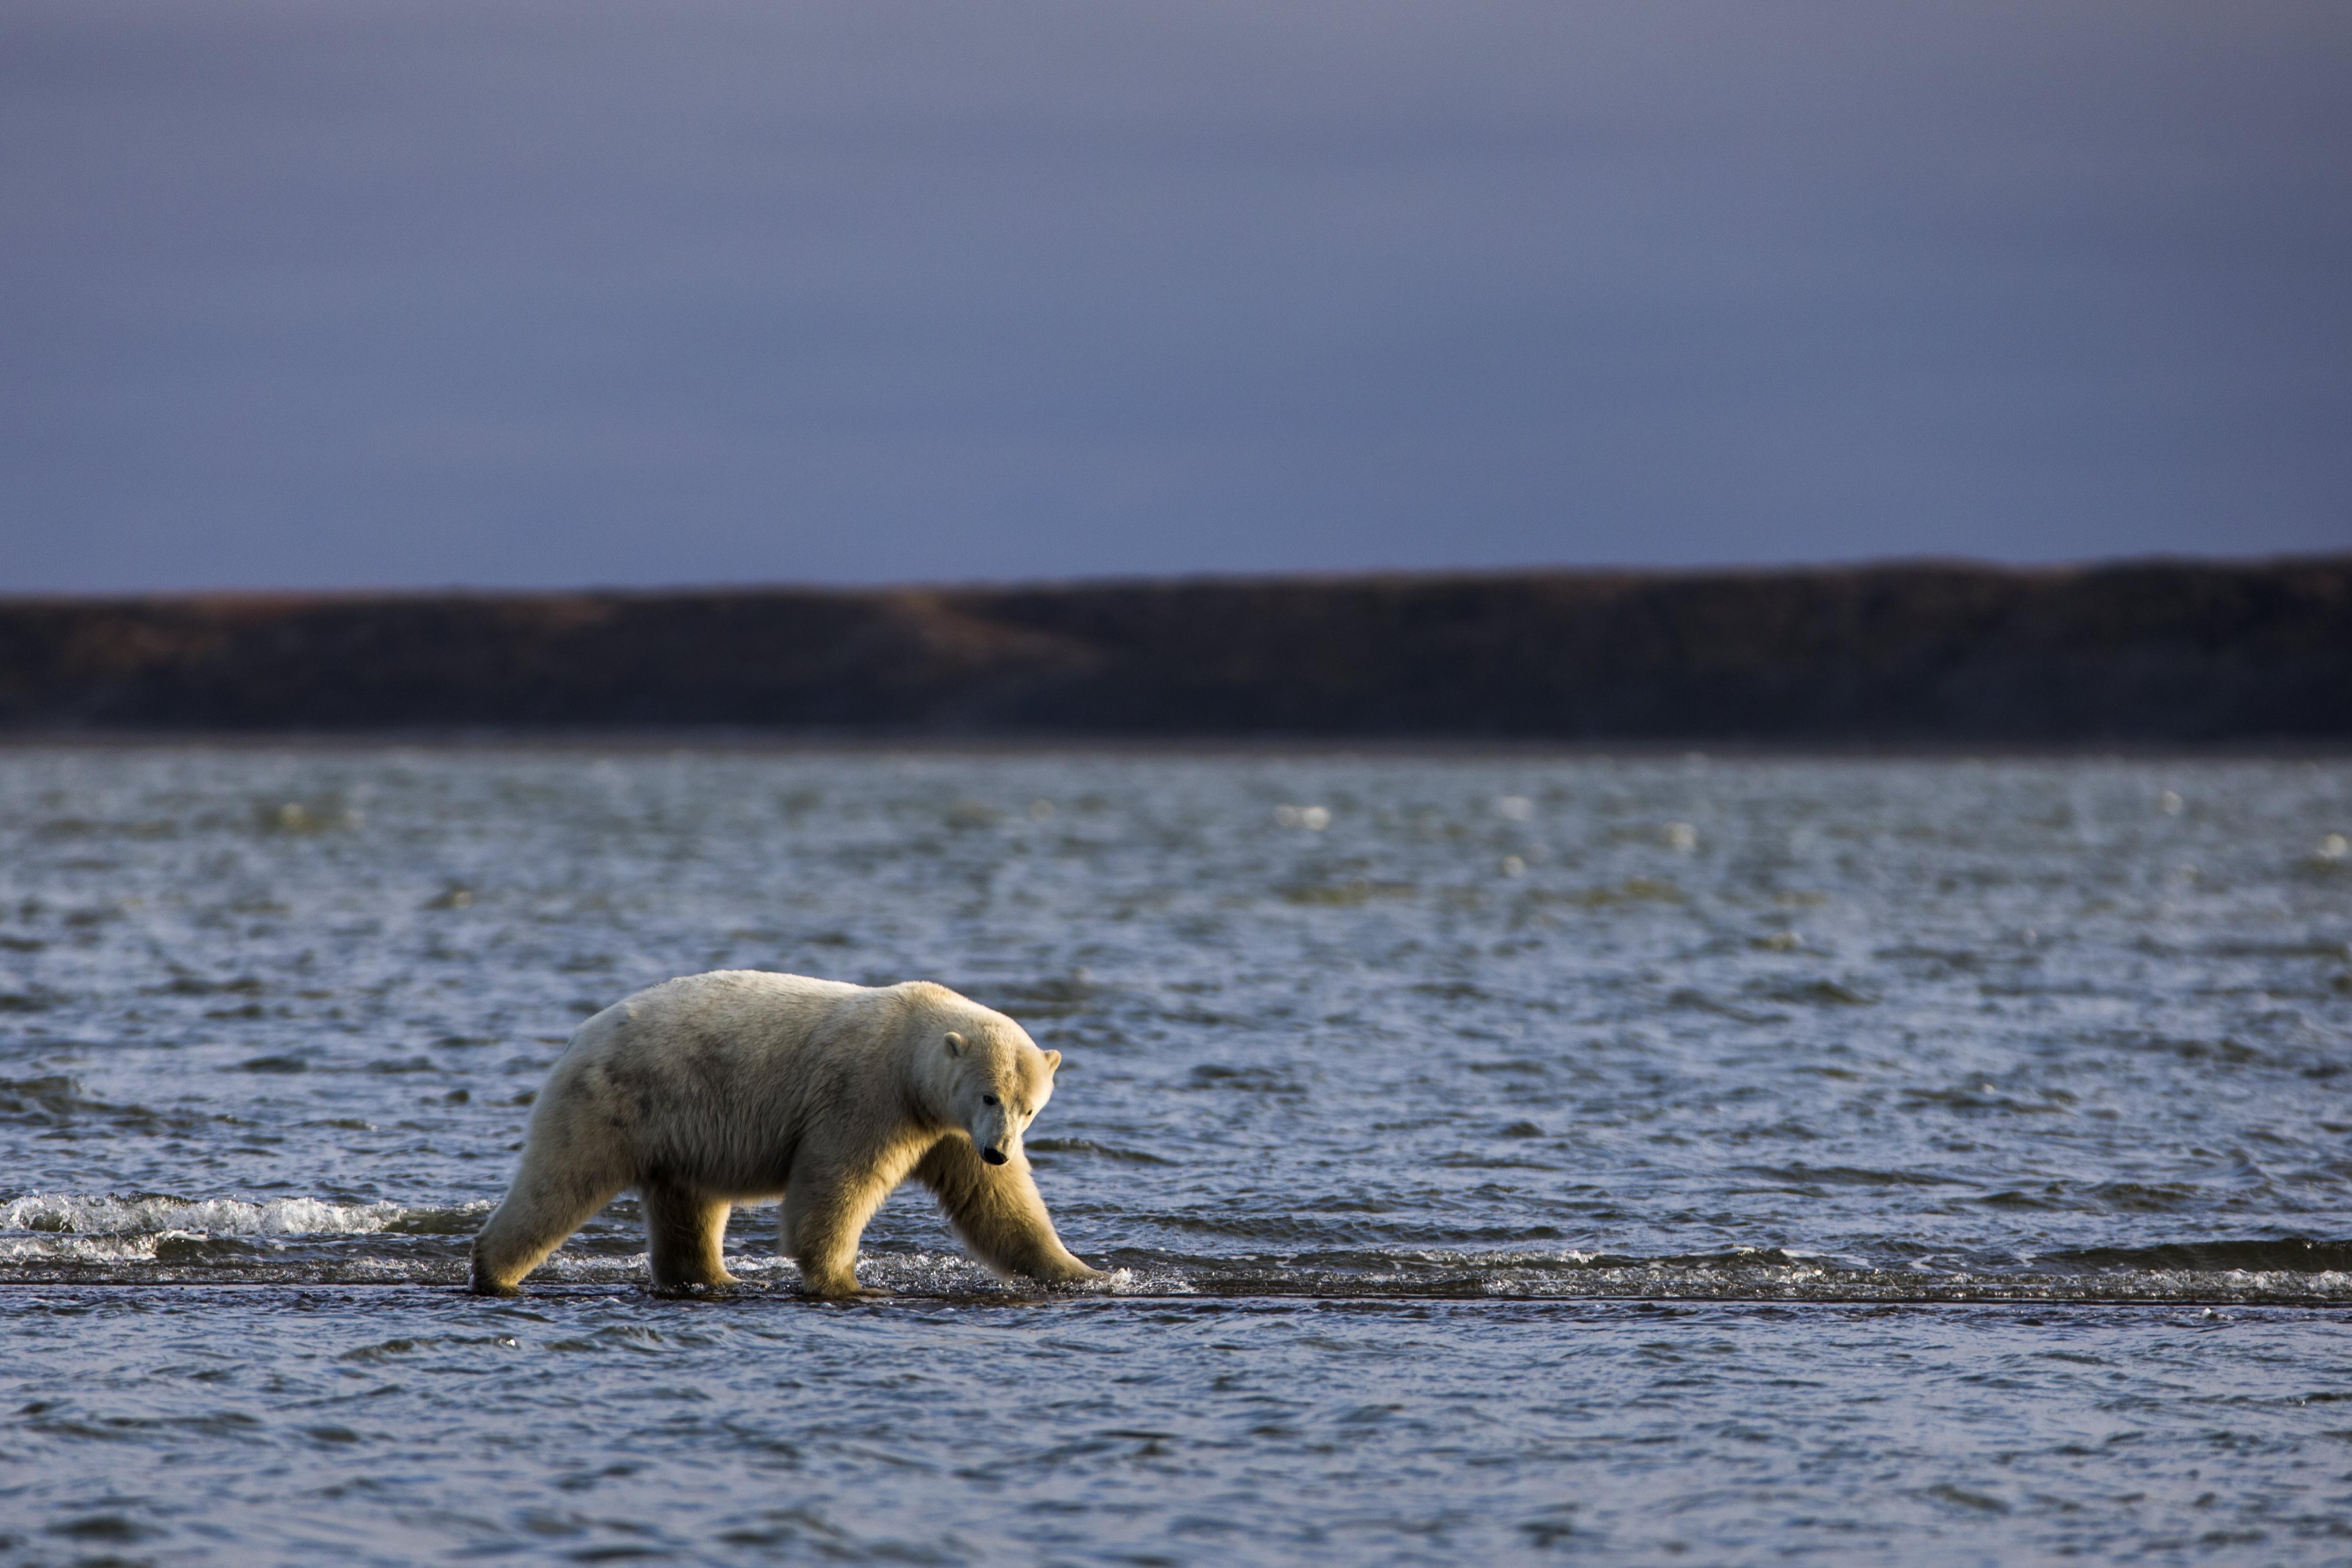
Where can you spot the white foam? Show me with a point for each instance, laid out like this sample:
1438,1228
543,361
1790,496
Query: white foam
1155,1282
74,1214
82,1248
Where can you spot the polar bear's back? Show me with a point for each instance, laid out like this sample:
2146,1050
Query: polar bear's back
738,1021
753,1001
719,1072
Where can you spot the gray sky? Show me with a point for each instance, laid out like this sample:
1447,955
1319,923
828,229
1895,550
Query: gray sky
505,293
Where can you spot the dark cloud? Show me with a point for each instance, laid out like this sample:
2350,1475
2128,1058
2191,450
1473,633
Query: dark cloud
505,292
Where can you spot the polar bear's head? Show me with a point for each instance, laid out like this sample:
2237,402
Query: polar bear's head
1001,1080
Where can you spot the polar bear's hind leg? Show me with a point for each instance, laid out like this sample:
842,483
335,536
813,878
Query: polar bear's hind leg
545,1205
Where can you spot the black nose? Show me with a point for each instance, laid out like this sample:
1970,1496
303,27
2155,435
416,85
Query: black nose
993,1156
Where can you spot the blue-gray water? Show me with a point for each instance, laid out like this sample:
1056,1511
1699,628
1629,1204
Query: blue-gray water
1686,1160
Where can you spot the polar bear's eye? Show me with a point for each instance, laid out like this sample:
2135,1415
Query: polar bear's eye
988,1100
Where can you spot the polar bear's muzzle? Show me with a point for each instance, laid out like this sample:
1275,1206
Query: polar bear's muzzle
993,1132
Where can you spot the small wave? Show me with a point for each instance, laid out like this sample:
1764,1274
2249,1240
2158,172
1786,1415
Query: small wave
163,1238
152,1215
2286,1255
1815,994
1088,1146
2243,1272
1846,1176
83,1249
44,1098
54,1101
1055,997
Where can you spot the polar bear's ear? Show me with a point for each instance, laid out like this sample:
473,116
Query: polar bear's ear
1053,1061
955,1043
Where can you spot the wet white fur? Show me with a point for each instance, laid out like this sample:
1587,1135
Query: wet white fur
739,1086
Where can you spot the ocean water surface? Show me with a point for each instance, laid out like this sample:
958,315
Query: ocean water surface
1669,1159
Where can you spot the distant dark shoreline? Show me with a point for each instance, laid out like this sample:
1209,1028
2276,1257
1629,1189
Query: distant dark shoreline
1902,658
591,741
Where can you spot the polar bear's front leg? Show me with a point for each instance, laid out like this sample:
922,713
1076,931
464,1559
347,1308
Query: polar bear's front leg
828,1201
999,1213
684,1230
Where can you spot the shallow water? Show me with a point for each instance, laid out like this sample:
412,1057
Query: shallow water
1491,1152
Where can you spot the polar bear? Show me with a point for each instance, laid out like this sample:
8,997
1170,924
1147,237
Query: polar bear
739,1085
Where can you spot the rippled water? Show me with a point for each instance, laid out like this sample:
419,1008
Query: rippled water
1498,1156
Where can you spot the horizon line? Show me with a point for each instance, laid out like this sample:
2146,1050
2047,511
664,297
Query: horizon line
1337,578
